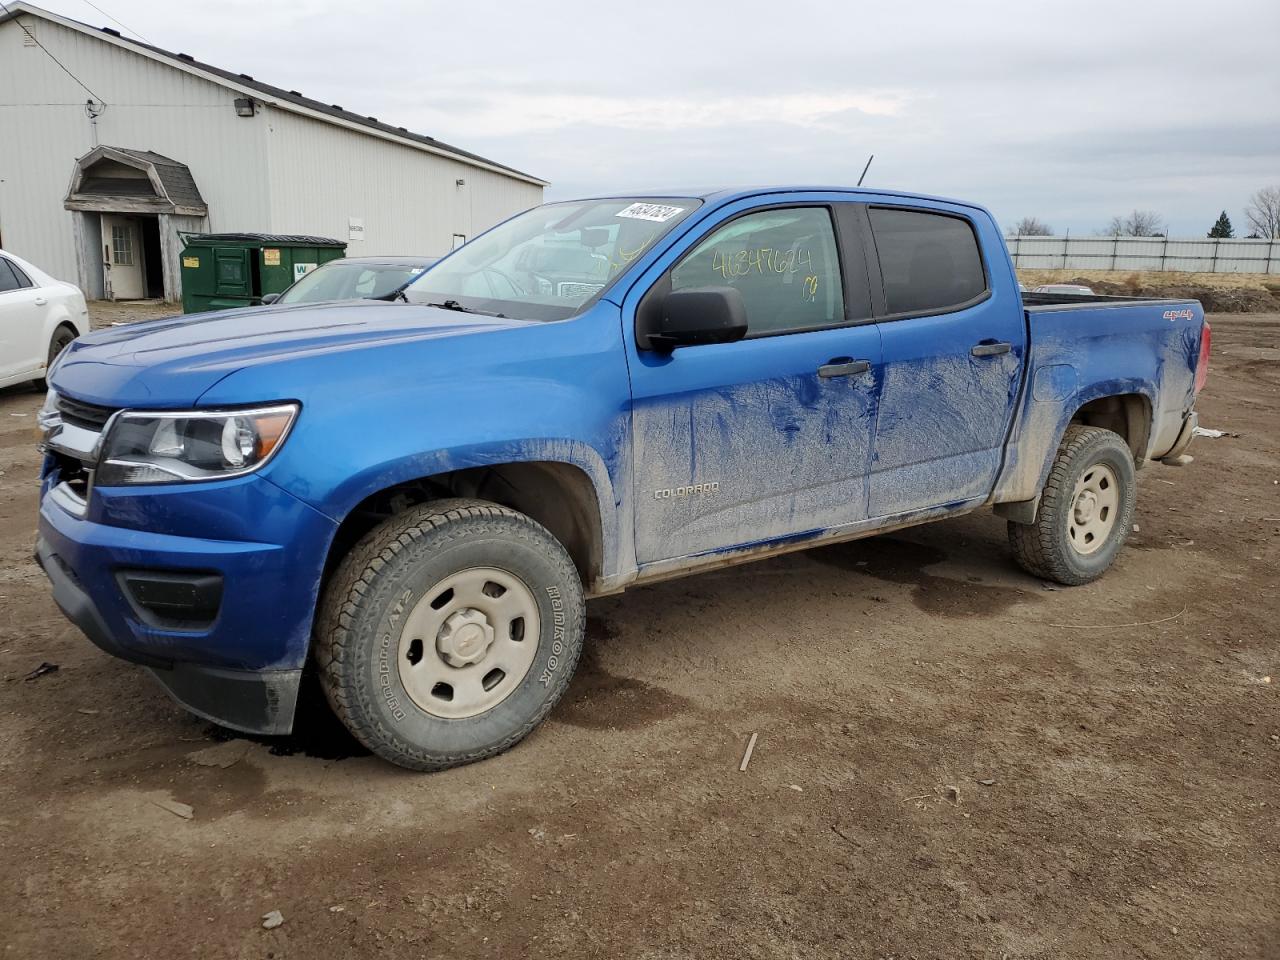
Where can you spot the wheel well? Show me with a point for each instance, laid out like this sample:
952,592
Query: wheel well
1127,414
557,495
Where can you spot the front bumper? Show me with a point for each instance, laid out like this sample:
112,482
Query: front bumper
239,667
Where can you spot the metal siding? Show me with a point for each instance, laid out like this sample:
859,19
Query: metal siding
150,107
274,172
322,176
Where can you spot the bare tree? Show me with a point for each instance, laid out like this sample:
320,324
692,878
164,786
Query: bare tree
1263,212
1139,223
1032,227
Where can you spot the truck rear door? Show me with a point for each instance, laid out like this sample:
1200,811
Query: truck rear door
953,337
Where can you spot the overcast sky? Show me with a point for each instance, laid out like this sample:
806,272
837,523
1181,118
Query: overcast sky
1068,111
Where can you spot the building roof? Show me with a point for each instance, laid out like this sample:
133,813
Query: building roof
164,186
175,177
268,93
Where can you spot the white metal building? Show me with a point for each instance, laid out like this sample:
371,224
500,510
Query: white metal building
96,183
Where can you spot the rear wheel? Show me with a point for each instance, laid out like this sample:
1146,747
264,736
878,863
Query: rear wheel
449,632
61,339
1086,509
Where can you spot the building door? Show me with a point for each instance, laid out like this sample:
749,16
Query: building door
122,258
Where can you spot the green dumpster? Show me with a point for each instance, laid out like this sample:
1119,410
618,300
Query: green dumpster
221,270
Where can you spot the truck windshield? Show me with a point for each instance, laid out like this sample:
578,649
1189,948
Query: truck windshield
351,280
552,261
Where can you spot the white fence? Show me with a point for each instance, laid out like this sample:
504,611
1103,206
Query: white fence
1145,253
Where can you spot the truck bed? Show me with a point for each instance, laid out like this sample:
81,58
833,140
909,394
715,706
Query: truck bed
1040,301
1123,360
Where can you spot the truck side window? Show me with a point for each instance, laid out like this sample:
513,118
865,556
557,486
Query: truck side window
783,262
929,261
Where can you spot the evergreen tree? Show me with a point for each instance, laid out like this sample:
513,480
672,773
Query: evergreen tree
1222,229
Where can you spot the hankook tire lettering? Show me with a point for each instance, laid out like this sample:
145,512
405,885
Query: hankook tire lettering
557,635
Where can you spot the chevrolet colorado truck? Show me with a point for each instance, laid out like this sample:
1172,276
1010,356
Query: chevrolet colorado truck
414,496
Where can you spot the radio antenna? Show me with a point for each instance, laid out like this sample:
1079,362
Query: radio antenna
865,169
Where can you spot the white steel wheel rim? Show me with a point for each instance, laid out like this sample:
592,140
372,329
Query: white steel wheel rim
1095,508
468,642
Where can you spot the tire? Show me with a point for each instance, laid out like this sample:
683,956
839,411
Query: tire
422,614
61,339
1075,537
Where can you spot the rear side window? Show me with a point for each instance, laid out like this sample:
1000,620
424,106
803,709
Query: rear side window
782,261
22,278
929,261
8,280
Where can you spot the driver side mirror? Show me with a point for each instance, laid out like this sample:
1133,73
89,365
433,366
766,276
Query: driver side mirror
269,298
698,315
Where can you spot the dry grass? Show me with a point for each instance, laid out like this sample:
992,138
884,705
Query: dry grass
1153,278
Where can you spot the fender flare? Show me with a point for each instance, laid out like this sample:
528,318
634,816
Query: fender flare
611,502
1017,492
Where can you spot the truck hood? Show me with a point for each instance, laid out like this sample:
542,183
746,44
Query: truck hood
171,362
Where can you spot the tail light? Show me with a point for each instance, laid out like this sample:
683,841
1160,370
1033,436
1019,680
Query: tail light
1202,365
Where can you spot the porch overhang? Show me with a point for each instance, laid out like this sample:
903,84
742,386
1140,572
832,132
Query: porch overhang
120,180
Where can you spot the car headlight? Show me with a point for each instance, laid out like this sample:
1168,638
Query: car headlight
191,445
49,415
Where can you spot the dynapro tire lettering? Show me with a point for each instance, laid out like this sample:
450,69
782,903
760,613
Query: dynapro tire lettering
692,490
386,655
557,635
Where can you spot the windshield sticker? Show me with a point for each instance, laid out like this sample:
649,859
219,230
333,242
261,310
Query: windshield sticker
657,212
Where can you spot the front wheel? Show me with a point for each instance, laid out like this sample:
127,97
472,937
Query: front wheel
449,632
1086,509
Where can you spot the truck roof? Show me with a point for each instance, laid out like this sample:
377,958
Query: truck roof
724,194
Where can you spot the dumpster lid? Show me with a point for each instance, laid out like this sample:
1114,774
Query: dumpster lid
260,239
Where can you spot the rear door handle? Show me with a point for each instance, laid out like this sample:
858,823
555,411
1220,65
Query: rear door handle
843,367
41,301
990,349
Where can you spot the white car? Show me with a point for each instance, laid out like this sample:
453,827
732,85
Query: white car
39,316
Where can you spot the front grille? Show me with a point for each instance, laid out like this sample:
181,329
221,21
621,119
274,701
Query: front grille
86,415
74,473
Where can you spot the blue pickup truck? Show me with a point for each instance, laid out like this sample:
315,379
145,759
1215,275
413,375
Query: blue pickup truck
414,496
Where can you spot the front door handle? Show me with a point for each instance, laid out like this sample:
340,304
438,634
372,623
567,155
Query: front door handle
990,349
843,367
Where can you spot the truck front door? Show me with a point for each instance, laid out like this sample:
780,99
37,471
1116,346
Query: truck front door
954,342
769,437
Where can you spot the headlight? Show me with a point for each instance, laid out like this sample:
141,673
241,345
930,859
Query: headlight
48,416
191,445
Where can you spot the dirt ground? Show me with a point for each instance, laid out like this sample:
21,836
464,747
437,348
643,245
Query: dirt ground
106,313
954,760
1217,292
1219,281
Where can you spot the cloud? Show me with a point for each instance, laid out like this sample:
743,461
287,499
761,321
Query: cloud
1068,112
522,113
